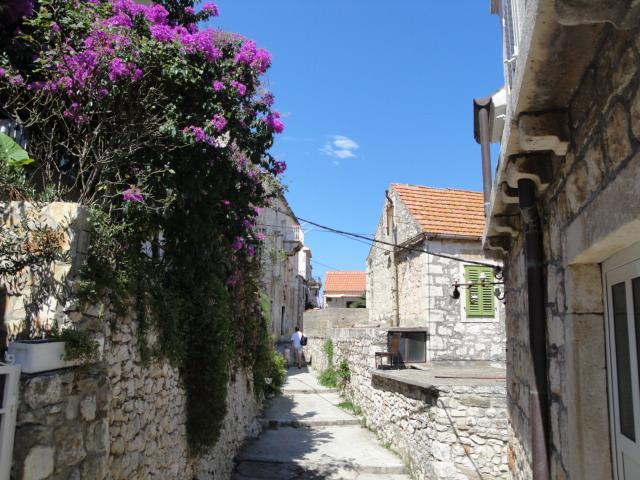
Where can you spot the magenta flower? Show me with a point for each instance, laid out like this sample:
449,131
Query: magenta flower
133,194
161,33
246,223
136,75
238,243
218,122
261,61
156,14
226,203
210,8
120,20
246,53
218,85
260,236
241,88
274,123
117,68
251,250
258,210
189,10
279,167
3,72
268,99
16,80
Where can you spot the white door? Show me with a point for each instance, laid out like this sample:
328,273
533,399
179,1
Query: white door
622,281
9,375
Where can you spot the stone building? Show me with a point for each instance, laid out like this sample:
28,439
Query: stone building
564,210
344,289
286,267
410,289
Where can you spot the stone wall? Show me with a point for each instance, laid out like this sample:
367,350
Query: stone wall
319,320
590,211
121,417
62,426
147,417
423,292
452,432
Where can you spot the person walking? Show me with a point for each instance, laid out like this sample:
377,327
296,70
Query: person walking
297,342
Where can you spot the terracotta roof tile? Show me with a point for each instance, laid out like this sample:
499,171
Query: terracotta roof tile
345,282
444,210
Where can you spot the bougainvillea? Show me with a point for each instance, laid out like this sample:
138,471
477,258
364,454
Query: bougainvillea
163,129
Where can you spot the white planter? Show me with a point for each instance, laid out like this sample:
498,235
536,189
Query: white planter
36,356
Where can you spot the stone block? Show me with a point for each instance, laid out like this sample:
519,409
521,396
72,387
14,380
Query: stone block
95,467
97,436
88,408
584,288
38,463
43,390
635,114
616,135
70,444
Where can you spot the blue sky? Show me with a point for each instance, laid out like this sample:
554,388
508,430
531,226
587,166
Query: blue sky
372,93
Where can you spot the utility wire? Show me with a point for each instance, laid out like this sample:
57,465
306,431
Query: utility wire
382,242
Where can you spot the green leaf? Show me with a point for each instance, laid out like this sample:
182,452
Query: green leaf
12,153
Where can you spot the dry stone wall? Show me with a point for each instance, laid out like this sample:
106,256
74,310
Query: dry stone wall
452,432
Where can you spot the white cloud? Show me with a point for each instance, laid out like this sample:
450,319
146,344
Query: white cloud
340,147
336,162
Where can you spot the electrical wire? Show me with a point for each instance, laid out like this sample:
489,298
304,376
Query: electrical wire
371,241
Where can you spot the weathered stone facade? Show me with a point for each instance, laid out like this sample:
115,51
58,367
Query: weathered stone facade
594,193
121,417
444,432
423,285
286,267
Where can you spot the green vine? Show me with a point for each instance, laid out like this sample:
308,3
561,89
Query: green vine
79,345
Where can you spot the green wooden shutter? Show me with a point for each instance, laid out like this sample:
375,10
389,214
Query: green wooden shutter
484,306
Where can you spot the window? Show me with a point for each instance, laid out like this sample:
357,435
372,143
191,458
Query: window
480,299
622,287
410,345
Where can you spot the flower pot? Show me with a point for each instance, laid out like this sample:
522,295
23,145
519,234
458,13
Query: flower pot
36,356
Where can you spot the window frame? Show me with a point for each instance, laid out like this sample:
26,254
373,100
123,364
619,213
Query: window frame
484,292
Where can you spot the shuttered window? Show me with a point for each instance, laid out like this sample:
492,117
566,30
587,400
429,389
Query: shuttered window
479,297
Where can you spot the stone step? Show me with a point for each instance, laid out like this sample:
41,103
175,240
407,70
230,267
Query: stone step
250,470
303,382
306,410
322,449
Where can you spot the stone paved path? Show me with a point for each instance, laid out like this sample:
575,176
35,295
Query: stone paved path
307,436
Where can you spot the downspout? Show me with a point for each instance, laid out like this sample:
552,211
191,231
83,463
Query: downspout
482,132
539,399
394,261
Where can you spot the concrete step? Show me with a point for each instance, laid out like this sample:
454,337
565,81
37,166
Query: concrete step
326,450
303,382
306,410
291,471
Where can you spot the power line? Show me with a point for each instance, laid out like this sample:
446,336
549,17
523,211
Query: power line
382,242
324,265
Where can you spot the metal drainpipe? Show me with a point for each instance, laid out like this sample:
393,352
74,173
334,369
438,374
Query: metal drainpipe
482,106
539,399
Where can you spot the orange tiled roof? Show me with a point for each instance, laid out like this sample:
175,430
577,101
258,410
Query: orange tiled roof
444,210
343,282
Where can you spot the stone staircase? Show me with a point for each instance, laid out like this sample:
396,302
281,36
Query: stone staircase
307,436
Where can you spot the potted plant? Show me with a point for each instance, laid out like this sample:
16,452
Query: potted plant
69,348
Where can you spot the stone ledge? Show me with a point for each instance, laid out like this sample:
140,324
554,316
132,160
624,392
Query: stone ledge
436,378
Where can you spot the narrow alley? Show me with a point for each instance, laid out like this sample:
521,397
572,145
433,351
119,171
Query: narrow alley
306,435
